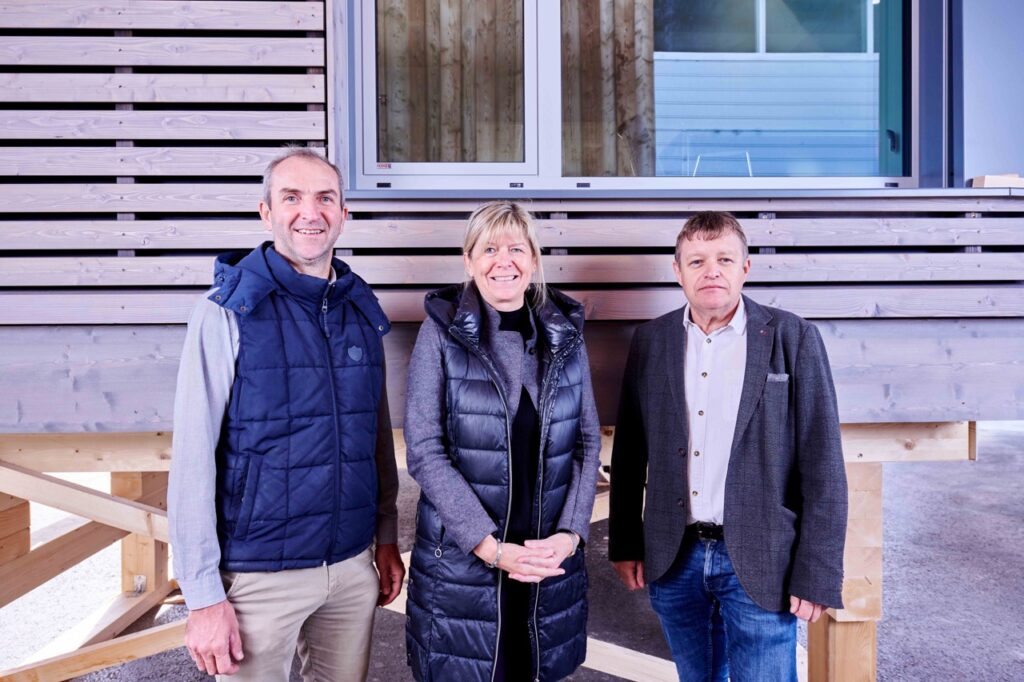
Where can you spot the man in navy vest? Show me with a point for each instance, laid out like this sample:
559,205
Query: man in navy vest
283,485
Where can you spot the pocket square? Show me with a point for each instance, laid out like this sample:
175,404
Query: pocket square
781,378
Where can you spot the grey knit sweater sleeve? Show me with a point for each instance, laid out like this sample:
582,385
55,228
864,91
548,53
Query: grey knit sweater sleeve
465,519
579,500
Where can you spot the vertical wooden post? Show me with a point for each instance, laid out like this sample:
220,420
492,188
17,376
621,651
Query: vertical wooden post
841,652
15,536
841,646
143,559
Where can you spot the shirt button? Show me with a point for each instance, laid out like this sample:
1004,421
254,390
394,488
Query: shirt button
704,374
380,327
682,451
696,453
709,340
694,493
700,413
681,502
242,308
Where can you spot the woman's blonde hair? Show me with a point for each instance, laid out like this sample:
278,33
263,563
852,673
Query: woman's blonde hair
498,218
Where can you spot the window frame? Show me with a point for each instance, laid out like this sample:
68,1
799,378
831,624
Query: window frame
541,172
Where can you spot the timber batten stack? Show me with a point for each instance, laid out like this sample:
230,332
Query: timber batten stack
132,137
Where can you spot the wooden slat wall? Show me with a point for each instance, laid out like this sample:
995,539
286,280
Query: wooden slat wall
111,211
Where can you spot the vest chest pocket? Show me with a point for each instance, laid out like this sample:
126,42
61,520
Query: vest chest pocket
249,487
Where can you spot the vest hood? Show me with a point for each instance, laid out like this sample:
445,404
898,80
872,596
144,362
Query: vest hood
245,278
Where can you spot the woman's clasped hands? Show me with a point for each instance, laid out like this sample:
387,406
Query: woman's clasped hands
531,562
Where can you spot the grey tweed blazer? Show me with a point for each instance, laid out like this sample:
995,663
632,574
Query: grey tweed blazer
785,490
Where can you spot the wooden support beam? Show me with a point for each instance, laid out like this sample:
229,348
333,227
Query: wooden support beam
862,560
900,442
143,559
105,623
102,655
14,519
15,528
841,652
133,517
31,570
52,452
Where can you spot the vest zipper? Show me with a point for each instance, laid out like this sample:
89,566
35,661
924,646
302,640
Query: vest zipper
508,452
547,406
334,412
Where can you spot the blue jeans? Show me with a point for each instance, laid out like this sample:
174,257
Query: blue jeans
714,630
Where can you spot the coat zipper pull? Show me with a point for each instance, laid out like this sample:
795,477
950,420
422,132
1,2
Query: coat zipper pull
323,312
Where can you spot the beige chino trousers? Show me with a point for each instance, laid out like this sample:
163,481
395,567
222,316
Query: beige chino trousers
325,613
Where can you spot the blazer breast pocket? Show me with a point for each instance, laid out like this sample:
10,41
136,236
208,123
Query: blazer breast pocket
776,405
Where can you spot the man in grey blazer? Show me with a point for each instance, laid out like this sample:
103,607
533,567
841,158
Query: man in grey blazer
728,419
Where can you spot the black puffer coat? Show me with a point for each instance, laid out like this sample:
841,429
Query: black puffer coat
453,617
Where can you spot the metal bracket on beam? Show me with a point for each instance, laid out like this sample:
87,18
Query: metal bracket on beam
766,215
973,214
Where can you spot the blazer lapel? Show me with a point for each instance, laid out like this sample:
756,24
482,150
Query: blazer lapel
760,337
676,357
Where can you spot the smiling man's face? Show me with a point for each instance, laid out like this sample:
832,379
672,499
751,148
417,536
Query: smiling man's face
712,273
305,214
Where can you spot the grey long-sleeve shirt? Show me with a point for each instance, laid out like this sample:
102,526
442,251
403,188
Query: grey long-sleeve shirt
205,377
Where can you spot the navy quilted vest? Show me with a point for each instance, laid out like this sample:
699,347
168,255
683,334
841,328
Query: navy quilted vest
296,474
452,625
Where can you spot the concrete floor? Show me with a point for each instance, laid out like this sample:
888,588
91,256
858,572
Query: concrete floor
954,610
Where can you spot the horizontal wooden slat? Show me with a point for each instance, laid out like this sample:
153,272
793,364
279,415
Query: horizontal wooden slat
192,15
559,270
130,198
831,302
866,201
30,124
132,234
61,452
135,161
432,233
229,88
159,51
128,515
661,232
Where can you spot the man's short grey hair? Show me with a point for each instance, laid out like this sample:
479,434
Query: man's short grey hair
291,152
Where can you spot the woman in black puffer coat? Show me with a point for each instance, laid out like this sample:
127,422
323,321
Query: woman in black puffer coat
503,437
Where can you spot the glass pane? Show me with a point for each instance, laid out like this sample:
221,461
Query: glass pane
816,25
705,26
631,110
450,81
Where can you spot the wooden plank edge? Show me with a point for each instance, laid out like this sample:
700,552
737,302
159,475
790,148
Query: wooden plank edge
105,623
103,655
134,517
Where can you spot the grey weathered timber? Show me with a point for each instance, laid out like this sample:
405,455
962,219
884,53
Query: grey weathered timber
139,306
135,161
234,88
121,378
631,231
59,124
134,198
159,51
68,233
422,270
836,202
230,15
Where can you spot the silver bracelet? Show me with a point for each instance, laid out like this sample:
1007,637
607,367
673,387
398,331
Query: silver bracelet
497,556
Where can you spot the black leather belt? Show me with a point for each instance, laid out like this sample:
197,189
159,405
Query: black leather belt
705,531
